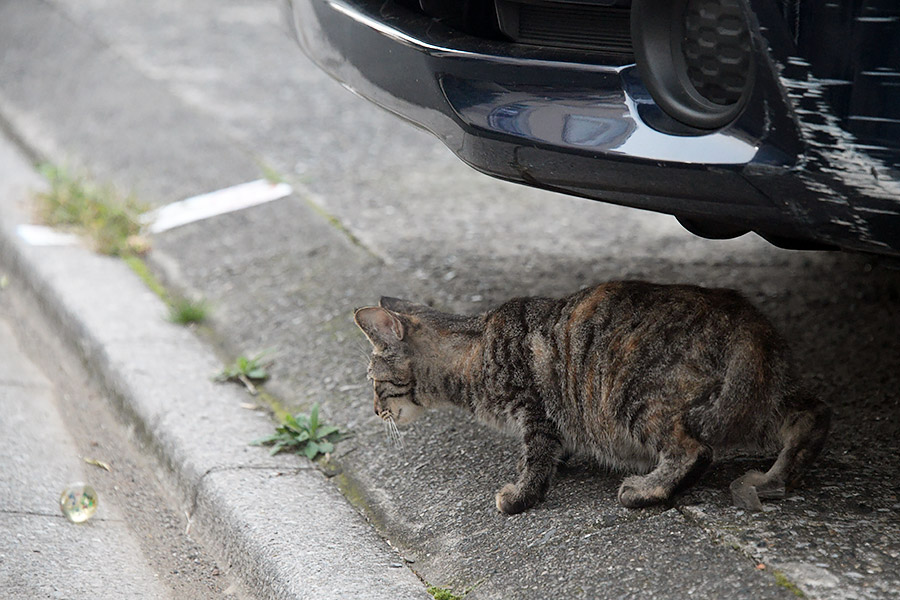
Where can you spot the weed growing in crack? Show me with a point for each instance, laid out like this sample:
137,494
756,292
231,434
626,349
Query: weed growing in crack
782,580
270,174
110,220
304,434
439,593
248,371
185,311
182,311
113,223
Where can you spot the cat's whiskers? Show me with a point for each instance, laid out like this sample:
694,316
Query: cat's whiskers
397,437
387,431
364,353
393,433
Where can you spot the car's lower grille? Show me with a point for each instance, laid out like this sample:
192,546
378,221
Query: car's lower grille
605,29
716,49
695,58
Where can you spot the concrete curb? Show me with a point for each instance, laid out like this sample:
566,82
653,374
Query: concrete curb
275,522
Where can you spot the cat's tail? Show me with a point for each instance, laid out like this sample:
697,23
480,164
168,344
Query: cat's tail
802,435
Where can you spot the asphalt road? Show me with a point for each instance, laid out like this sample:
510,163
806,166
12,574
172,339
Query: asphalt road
171,100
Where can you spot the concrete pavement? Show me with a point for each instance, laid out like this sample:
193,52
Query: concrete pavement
217,91
283,531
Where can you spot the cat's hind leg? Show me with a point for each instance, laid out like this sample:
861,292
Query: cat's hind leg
803,435
679,467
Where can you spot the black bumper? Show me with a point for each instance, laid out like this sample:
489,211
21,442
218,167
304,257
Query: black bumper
550,119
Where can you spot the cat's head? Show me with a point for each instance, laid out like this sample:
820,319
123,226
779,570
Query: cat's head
391,364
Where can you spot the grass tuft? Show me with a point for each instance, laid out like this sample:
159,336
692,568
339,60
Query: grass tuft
270,174
185,311
111,220
439,593
782,580
247,370
140,268
181,310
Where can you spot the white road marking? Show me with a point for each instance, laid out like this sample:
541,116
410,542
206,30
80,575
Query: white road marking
215,203
40,235
176,214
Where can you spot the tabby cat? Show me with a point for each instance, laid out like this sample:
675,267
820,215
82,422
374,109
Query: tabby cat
654,379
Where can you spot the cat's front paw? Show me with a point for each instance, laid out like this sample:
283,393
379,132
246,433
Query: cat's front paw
510,500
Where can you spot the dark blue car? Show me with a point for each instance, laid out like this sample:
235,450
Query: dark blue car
775,116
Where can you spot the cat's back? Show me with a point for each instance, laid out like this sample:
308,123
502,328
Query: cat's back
625,336
653,306
624,306
645,295
633,324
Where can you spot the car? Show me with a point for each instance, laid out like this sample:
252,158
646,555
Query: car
779,117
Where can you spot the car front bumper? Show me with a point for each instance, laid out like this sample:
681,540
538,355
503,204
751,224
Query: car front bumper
551,119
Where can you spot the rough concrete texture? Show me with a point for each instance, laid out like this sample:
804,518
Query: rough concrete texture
283,545
425,226
42,554
134,483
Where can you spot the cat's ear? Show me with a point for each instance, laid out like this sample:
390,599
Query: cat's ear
380,326
402,306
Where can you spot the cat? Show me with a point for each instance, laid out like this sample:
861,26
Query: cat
658,380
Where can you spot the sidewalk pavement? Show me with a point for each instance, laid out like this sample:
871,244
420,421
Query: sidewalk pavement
284,531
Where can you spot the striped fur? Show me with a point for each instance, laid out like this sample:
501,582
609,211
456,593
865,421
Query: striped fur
650,379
